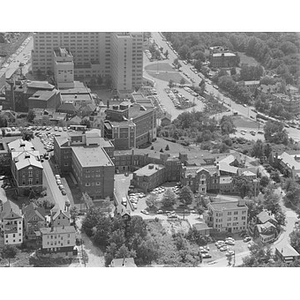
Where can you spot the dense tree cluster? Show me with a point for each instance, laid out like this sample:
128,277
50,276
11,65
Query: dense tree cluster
120,238
276,133
275,51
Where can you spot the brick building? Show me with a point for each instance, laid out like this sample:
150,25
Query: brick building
26,168
130,125
88,157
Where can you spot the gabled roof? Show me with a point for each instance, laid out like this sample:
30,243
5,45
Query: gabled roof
26,162
32,210
55,212
262,228
290,161
264,217
10,210
20,145
57,230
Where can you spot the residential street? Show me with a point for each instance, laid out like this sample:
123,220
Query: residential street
49,176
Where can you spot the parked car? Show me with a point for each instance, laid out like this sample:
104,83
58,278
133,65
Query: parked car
159,211
247,239
63,191
206,255
145,212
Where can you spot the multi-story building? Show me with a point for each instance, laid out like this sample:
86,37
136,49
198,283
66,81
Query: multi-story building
289,164
63,68
18,92
58,240
118,55
26,168
222,58
88,157
34,219
149,177
45,100
11,221
130,125
230,216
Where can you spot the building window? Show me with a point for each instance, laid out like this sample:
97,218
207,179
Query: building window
87,184
236,212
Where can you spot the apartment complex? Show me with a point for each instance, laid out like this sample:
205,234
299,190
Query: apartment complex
88,157
230,216
130,125
26,168
11,222
118,55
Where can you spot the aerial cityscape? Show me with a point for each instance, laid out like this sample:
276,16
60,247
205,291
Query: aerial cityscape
149,149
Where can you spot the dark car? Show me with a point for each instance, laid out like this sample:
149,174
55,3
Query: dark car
63,192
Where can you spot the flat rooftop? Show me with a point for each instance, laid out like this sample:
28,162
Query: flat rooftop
43,95
76,97
92,156
226,205
148,170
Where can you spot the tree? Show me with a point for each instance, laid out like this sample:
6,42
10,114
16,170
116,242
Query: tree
182,81
30,116
74,213
244,185
258,149
27,135
147,251
264,181
3,121
117,237
90,220
186,195
102,231
295,238
167,53
169,198
259,255
9,252
167,148
171,83
124,252
86,122
151,201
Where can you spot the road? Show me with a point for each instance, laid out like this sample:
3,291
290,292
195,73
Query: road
244,111
14,65
49,176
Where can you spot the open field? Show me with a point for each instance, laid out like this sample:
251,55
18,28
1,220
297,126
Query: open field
167,76
244,59
159,67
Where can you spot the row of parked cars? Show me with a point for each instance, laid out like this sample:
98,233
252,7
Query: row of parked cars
60,185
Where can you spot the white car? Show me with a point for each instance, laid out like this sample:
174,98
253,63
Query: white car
144,212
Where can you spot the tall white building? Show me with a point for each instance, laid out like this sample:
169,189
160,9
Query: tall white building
94,54
63,68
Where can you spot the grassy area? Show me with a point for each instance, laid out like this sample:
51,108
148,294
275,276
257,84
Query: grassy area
167,76
240,121
159,67
244,59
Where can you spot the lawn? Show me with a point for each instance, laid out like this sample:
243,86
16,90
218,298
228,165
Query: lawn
167,76
244,59
243,122
159,67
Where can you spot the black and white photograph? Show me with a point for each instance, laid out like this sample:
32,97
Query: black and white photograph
167,148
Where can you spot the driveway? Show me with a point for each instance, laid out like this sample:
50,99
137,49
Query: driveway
94,256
